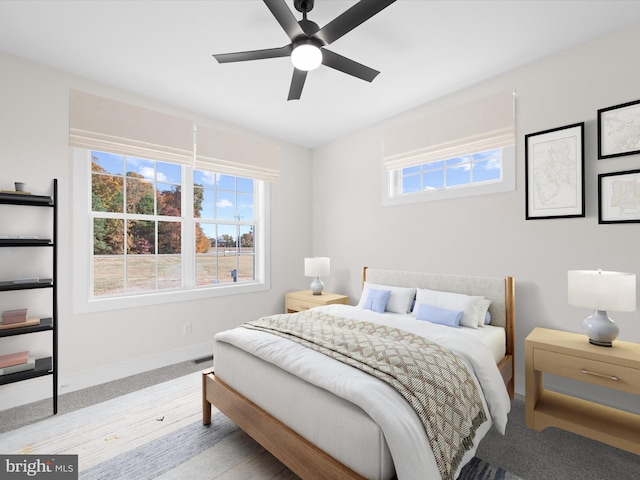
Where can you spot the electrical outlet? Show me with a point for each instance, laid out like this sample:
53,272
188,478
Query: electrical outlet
186,328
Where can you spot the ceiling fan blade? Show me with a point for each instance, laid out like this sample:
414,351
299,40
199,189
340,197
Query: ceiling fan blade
297,82
346,65
359,13
285,18
254,54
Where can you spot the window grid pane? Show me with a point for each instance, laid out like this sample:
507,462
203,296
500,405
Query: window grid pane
141,273
108,277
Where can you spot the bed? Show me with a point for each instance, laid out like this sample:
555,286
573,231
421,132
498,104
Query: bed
316,415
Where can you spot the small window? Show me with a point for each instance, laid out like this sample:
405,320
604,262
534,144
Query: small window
453,172
488,171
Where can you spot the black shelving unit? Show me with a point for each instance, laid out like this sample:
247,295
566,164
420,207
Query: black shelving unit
48,365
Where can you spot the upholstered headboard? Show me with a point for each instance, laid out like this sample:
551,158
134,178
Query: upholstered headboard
492,288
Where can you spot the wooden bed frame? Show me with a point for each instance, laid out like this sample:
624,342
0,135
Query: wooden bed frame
301,456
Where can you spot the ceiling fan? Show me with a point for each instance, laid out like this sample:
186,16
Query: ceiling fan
308,41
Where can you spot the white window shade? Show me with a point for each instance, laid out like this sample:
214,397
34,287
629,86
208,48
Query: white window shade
107,125
225,152
477,126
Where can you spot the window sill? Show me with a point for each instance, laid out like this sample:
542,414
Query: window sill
156,298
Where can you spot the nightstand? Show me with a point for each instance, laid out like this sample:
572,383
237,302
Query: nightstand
571,355
305,299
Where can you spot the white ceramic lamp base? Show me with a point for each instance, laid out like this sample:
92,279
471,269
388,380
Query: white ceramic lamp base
317,286
600,329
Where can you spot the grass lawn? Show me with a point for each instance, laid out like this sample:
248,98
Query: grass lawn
211,269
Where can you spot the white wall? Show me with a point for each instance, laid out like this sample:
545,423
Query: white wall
95,348
488,235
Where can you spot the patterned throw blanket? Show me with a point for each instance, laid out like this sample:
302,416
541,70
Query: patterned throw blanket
434,381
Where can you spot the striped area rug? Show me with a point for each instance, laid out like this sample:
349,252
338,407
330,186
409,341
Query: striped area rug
157,433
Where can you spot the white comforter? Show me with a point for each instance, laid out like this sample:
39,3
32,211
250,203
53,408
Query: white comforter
402,428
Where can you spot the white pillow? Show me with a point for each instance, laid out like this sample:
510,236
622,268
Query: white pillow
400,300
470,305
483,306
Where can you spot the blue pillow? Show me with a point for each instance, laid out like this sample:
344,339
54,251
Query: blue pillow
377,300
487,318
442,316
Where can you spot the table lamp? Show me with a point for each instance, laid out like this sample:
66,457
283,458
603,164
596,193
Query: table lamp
602,291
316,267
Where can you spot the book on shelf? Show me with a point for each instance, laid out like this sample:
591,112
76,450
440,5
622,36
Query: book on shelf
11,359
19,237
30,322
14,316
30,364
27,280
15,192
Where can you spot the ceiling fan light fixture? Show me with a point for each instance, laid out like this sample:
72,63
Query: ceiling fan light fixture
306,56
308,41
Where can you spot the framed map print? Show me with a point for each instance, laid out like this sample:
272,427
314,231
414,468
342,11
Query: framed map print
554,170
619,197
619,130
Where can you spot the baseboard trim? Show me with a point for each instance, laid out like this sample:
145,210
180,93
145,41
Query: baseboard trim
22,393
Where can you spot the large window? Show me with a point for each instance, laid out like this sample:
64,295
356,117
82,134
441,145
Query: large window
159,228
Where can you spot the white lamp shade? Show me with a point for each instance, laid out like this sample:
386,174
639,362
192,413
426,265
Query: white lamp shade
306,57
600,290
316,266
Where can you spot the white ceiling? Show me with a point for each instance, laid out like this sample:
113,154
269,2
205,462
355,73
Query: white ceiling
423,49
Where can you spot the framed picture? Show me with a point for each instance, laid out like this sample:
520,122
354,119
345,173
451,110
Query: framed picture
554,170
619,197
619,130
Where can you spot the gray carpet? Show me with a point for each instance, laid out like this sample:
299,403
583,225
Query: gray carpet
554,454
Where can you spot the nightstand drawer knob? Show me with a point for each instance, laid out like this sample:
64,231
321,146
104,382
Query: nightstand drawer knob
596,374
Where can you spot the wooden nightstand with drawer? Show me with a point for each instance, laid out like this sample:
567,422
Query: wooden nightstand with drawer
305,299
571,355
